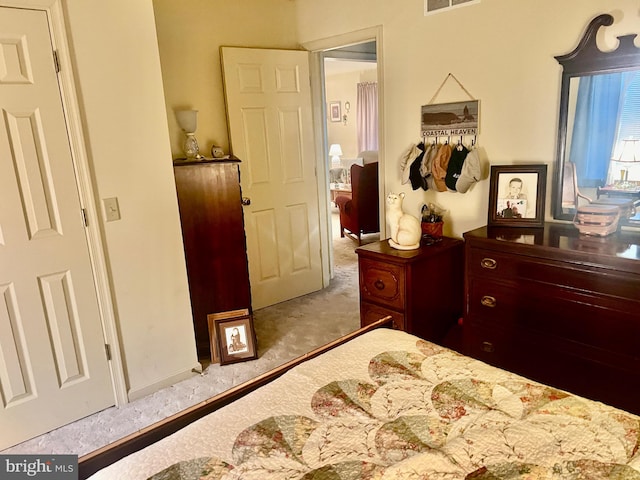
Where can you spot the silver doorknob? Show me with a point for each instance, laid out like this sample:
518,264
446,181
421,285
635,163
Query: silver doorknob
246,201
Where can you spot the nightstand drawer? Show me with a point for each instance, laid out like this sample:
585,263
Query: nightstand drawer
421,289
370,313
382,283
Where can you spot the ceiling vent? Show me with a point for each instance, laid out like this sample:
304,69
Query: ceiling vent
437,6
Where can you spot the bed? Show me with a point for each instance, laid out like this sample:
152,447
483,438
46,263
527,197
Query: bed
388,405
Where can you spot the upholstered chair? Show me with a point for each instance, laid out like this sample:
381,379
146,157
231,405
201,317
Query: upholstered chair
360,214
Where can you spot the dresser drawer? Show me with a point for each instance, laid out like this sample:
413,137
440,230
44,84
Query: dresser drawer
493,264
559,314
382,283
494,302
570,369
370,313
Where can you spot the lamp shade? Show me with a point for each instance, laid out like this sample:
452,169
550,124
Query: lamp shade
188,120
335,150
629,152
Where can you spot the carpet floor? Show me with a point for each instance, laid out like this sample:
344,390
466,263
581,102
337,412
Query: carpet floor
284,331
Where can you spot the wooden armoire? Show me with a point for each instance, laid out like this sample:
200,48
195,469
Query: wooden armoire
210,202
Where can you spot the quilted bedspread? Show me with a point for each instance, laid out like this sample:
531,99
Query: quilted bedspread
388,405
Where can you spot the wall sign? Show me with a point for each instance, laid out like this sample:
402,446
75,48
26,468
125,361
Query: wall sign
450,119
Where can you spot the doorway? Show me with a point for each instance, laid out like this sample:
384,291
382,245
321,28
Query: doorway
350,89
357,47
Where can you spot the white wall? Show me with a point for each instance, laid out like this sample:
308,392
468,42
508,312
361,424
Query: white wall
120,86
343,87
502,51
190,34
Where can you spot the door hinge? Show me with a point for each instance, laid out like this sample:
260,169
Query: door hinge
107,349
85,218
56,61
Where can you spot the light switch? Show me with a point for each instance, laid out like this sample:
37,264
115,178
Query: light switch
111,209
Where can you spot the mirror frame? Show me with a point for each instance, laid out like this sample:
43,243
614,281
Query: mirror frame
585,60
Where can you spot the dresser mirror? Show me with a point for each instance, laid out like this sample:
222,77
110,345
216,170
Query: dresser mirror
598,151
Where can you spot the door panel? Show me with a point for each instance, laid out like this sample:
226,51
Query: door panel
269,113
53,366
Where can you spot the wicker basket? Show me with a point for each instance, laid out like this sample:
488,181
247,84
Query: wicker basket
598,220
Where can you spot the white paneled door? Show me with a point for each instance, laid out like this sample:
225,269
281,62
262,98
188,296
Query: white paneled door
53,367
270,123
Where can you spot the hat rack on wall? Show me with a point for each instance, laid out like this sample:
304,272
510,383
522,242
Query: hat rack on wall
445,167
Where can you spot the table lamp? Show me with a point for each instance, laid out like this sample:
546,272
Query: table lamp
336,152
628,154
188,121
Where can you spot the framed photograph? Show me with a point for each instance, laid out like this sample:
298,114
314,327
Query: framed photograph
335,111
516,195
236,339
213,335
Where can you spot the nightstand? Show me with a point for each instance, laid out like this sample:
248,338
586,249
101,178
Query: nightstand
421,289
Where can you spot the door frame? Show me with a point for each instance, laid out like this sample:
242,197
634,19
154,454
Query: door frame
316,66
73,121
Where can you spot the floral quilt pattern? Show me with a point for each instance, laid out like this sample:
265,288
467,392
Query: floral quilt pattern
432,415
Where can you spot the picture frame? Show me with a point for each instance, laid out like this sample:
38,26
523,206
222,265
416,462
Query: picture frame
517,195
213,335
335,111
236,339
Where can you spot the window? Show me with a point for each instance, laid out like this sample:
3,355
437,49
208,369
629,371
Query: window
628,129
606,120
436,6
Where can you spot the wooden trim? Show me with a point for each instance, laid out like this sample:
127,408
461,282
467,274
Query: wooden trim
98,459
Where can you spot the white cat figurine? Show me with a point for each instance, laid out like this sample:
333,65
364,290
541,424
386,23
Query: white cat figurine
405,228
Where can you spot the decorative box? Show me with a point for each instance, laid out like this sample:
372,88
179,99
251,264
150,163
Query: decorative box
599,220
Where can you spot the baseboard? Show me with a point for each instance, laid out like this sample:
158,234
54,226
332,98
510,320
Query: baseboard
136,393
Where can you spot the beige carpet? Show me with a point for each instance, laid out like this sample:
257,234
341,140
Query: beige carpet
284,331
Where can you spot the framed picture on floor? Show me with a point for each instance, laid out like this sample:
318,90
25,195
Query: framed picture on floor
213,335
236,339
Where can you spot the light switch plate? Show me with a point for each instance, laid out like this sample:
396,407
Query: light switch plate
111,208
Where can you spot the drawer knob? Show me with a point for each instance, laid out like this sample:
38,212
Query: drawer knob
489,263
488,301
488,347
379,284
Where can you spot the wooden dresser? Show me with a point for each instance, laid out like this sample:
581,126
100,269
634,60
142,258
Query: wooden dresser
421,289
558,307
211,215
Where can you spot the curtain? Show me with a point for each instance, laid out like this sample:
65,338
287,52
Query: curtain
595,126
628,126
367,116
